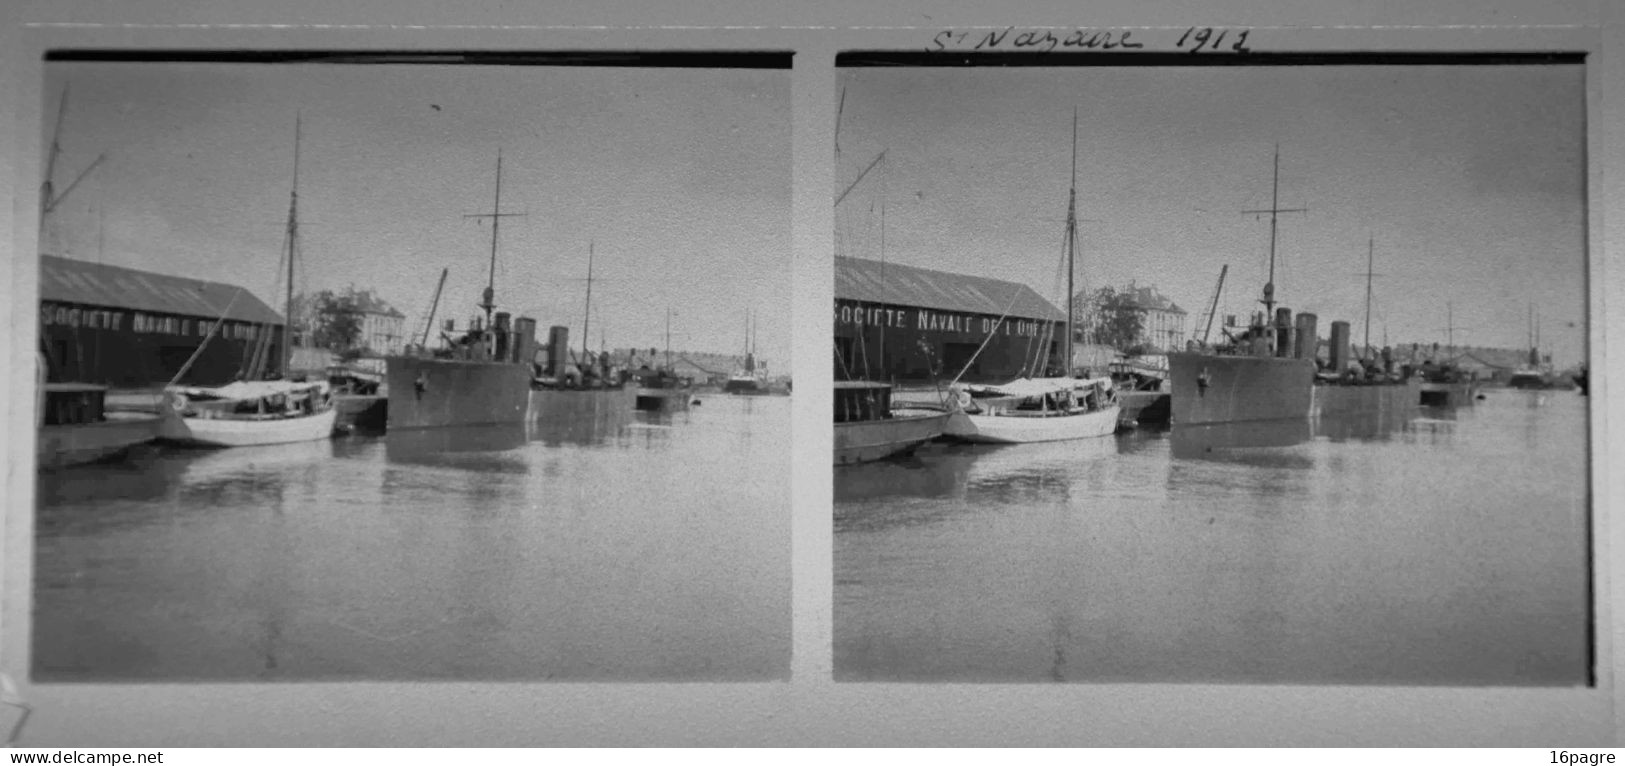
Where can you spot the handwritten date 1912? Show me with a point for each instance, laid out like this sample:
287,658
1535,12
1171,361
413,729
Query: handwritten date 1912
1210,39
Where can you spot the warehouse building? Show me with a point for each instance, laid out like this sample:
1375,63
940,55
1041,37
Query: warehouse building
911,325
127,328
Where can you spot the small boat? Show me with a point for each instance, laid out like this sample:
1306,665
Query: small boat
661,389
751,378
247,413
1143,390
252,411
74,427
1033,410
1040,409
868,427
1529,378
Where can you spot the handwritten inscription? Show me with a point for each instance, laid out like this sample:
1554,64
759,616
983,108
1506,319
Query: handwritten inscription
1198,39
1192,40
1036,39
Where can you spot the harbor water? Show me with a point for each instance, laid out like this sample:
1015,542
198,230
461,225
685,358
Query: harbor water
598,544
1435,547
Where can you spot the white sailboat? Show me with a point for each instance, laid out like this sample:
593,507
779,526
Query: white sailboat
1040,409
253,412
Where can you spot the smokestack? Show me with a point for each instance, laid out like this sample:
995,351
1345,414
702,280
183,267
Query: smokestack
558,349
1340,347
1308,339
524,340
1283,332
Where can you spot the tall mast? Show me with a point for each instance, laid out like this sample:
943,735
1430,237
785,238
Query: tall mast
1370,249
1071,243
586,319
47,190
496,221
496,215
668,337
293,247
1274,209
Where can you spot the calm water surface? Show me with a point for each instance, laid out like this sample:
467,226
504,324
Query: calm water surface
607,545
1437,547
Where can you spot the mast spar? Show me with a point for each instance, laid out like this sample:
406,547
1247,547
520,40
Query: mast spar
496,215
1274,210
586,319
293,247
1071,243
1370,249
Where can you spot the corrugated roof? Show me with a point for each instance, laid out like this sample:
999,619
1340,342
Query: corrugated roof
896,284
65,280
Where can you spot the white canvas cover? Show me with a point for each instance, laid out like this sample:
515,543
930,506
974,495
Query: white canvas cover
245,390
1030,387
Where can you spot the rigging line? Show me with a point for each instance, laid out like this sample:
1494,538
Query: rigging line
213,328
860,177
989,337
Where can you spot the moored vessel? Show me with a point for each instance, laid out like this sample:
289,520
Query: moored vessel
482,377
869,427
73,426
1267,373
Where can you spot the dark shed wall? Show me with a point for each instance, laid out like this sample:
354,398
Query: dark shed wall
909,344
133,349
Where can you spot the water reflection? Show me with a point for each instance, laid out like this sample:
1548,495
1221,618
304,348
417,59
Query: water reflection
584,418
1389,547
483,448
142,475
448,553
974,471
934,470
1261,444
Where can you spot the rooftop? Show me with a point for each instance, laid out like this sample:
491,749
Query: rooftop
860,279
65,280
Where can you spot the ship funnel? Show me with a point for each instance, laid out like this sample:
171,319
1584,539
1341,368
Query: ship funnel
1340,348
524,340
558,349
1308,337
503,341
1283,332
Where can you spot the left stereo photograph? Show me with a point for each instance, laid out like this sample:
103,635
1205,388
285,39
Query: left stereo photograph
355,366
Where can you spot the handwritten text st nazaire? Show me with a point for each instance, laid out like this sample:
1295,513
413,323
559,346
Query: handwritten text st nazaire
1191,40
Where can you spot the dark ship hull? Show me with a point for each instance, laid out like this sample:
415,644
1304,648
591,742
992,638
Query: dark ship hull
432,393
1215,388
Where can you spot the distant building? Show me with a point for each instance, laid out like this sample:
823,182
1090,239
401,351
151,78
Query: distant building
908,324
1162,322
383,329
129,328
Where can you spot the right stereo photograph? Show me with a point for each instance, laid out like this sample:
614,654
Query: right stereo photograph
1272,372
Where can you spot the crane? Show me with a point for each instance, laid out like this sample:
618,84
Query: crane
1214,308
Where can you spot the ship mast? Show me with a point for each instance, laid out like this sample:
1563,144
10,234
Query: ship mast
1274,209
293,247
1071,243
1370,248
496,215
586,319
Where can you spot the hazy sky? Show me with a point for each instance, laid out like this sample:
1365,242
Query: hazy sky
680,176
1470,179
